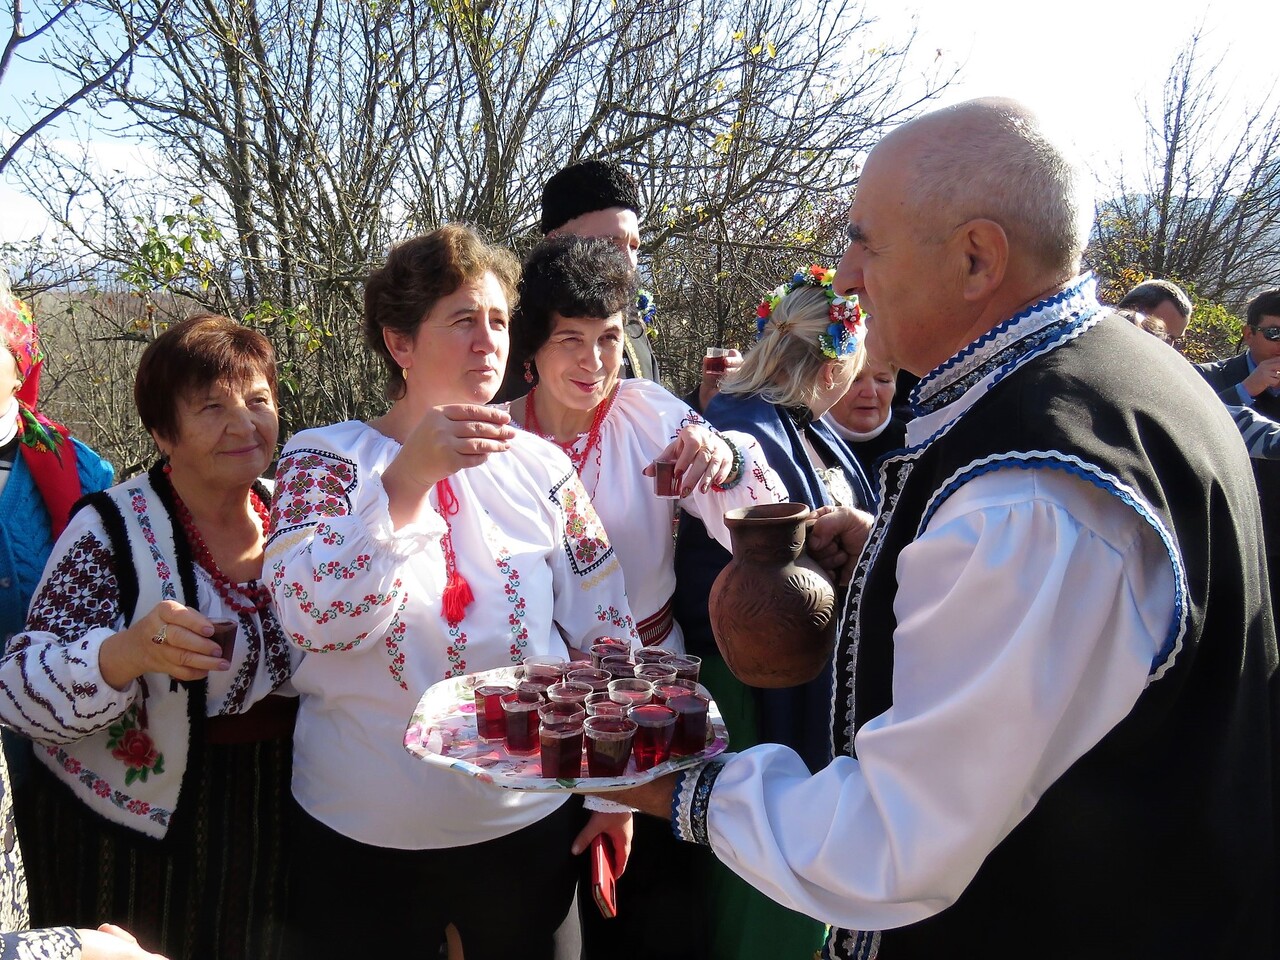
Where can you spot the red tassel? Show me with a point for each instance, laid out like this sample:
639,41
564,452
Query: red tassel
457,594
457,597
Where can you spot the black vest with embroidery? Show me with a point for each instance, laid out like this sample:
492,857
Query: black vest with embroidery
1158,842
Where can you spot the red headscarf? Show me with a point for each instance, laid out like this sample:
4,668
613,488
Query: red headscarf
51,460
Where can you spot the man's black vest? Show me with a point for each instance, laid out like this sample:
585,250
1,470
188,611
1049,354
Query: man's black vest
1159,842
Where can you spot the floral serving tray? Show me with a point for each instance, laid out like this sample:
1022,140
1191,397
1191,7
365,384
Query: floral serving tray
443,732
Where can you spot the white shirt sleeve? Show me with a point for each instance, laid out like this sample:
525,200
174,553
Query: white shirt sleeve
51,685
1029,614
336,563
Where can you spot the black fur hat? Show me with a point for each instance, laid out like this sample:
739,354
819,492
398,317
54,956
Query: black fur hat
584,187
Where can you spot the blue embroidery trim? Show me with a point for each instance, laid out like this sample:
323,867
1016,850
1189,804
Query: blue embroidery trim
701,802
1085,286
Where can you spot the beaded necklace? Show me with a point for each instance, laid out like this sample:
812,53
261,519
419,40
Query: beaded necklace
256,594
579,460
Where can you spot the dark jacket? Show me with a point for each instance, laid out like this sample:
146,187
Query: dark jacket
1223,376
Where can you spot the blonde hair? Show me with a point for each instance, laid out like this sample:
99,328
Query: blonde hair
785,366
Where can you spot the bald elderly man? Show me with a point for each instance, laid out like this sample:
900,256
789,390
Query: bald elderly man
1054,737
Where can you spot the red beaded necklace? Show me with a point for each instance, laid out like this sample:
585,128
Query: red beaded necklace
579,460
256,594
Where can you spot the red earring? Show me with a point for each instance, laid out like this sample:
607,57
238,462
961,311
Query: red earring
528,372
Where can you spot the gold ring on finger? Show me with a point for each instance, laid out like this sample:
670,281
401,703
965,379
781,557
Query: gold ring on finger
159,635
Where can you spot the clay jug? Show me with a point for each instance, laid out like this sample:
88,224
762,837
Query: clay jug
773,609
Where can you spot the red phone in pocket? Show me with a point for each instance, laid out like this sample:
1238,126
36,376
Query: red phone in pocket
603,876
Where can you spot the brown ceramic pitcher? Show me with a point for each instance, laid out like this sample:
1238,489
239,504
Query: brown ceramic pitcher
773,609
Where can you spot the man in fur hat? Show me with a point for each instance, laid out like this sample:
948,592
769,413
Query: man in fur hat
597,198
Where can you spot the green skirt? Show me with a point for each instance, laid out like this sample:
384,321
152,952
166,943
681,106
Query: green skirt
746,924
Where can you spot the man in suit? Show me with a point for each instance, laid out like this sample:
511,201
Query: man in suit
1252,379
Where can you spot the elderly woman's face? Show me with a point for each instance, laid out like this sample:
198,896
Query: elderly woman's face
866,405
226,433
578,365
459,352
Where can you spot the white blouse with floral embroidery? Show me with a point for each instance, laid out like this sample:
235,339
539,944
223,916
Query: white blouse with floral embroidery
364,601
645,418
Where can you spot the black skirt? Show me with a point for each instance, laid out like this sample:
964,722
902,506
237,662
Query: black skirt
214,887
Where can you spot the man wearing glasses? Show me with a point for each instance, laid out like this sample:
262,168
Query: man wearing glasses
1252,379
1165,301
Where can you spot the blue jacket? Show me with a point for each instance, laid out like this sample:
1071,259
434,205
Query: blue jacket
26,534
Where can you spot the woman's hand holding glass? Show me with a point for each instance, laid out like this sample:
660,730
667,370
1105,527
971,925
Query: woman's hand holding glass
447,439
170,639
702,457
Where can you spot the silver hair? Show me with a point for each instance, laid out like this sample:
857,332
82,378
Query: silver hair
1006,168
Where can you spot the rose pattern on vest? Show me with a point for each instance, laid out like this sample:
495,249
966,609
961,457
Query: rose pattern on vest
130,743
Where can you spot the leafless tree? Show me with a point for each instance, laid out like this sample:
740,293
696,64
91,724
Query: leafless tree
1207,211
295,139
85,33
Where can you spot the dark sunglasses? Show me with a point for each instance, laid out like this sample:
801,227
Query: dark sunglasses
1269,333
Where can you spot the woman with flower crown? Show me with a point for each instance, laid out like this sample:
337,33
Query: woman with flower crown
808,352
575,297
162,787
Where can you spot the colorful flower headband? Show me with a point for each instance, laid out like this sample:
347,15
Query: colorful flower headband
847,326
645,307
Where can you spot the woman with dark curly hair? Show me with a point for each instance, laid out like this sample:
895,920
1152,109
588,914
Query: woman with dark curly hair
576,295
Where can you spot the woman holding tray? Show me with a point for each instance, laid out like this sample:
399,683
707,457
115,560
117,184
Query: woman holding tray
568,333
433,541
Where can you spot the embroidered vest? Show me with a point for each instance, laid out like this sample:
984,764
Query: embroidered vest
132,771
1158,842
